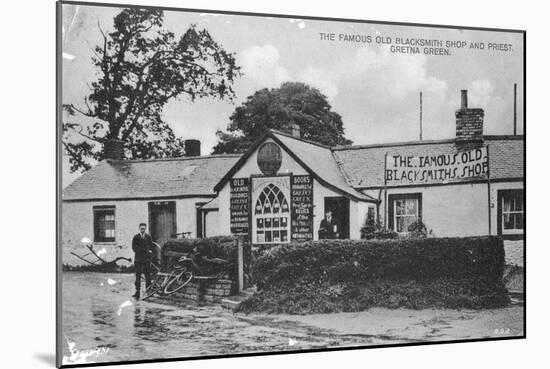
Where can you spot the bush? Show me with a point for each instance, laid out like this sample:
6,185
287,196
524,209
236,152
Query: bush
469,293
374,230
344,261
346,275
417,229
223,247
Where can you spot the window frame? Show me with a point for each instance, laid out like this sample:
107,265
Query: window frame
271,216
501,196
97,210
392,224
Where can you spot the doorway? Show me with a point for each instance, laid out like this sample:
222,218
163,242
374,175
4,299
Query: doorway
339,206
162,221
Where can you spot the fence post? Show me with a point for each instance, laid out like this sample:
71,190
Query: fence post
240,270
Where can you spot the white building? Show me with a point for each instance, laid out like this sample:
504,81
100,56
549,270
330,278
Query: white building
279,190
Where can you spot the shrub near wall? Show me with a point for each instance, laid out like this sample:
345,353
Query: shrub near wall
346,275
223,247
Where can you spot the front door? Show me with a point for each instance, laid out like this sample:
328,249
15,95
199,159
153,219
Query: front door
340,212
162,220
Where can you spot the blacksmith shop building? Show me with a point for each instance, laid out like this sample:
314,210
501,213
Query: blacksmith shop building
278,191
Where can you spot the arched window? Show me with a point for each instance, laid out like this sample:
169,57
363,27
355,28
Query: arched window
271,214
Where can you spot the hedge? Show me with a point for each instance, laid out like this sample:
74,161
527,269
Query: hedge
345,275
223,247
344,261
449,293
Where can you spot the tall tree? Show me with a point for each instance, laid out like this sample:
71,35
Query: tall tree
280,108
141,67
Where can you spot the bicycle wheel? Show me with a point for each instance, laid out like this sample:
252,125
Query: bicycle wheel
178,282
156,286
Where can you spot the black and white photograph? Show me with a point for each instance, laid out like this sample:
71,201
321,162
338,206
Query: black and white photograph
235,184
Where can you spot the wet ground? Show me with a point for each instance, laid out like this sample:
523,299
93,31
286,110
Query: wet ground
101,322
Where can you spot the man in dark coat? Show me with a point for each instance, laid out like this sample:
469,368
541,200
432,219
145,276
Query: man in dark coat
329,228
142,244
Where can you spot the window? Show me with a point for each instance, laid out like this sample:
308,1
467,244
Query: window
404,210
271,216
511,211
104,223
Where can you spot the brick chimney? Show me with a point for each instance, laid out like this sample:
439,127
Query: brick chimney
469,121
113,150
192,148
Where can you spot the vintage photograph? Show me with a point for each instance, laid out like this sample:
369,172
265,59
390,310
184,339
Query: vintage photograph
237,184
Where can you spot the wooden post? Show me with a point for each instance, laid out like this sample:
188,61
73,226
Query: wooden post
489,189
515,109
385,191
240,269
420,117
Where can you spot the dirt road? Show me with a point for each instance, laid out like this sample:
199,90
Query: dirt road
102,323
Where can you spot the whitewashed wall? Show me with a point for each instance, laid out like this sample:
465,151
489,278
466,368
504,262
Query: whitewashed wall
289,165
461,210
78,222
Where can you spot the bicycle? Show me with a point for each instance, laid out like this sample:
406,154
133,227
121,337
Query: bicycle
158,282
184,271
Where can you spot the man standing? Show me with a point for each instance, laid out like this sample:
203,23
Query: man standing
142,244
329,228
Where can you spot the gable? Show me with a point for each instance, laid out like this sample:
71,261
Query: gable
299,157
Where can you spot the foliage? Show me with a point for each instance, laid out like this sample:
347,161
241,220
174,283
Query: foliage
140,68
374,230
344,261
449,293
347,275
279,108
222,247
417,229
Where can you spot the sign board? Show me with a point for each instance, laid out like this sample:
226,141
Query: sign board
239,205
269,158
436,168
301,193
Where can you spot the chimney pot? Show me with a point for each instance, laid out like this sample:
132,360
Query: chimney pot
113,150
192,148
463,99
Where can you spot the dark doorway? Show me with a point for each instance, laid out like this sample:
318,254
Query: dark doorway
201,215
340,212
162,220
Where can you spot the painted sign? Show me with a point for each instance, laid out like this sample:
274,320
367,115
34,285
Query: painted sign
239,205
301,193
436,168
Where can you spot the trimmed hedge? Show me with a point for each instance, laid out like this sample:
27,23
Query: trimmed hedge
466,293
346,275
347,261
223,247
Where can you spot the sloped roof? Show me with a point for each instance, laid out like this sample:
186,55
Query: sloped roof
321,161
317,159
363,166
213,204
157,178
345,169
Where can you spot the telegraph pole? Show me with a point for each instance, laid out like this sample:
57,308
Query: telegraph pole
420,115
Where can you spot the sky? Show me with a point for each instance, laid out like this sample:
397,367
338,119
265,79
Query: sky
373,85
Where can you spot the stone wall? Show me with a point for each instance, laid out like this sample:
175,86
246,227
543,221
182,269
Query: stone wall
209,290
